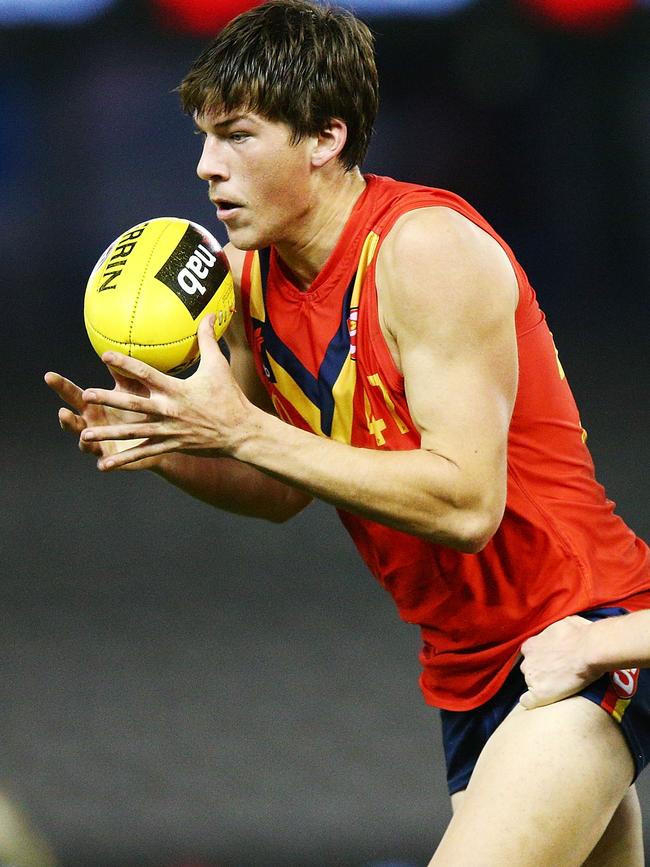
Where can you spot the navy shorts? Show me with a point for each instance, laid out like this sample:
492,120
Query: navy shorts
625,695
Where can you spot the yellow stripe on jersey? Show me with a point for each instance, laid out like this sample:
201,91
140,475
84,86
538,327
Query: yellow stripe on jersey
619,709
256,305
290,389
376,380
344,387
341,392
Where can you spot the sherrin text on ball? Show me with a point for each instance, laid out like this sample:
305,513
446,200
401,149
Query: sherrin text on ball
150,289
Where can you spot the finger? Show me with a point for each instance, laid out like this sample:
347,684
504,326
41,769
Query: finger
126,383
524,665
133,368
147,449
124,432
538,698
70,421
542,696
67,390
529,644
90,448
529,700
208,344
119,400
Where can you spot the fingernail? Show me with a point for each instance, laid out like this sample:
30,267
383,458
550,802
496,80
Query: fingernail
88,435
90,395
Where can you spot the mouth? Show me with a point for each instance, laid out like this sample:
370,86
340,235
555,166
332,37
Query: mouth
226,208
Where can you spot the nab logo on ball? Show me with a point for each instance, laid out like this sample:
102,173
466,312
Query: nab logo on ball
193,272
149,290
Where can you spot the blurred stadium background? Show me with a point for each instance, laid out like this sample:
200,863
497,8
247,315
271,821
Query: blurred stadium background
181,687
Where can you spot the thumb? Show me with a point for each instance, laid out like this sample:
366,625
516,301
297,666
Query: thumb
208,346
529,700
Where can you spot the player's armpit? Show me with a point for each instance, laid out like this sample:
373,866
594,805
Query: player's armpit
447,294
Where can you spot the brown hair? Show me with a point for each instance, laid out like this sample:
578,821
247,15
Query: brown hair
292,61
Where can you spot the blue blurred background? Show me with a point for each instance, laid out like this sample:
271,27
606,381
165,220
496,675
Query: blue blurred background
182,687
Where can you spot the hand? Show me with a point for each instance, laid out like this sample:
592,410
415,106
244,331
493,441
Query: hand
554,664
206,414
87,415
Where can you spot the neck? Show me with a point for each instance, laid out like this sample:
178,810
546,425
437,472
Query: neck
320,230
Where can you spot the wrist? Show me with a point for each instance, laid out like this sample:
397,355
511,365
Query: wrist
257,437
595,645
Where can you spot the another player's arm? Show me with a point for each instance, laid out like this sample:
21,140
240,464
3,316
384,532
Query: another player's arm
620,642
225,482
572,653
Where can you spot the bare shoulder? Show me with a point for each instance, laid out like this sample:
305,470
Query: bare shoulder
436,261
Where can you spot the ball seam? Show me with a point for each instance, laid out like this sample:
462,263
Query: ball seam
135,343
137,299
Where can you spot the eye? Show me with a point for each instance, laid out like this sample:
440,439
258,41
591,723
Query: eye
238,136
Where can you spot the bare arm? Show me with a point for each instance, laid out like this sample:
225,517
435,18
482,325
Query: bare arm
572,653
223,481
449,295
219,481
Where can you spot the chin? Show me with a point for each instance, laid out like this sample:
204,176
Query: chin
246,240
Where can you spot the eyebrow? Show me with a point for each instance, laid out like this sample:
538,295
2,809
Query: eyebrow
221,124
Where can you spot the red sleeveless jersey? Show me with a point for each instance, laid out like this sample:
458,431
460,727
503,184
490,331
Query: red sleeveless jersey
559,549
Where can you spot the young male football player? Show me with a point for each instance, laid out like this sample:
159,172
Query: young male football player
389,357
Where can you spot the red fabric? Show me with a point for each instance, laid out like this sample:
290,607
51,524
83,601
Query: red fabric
581,14
200,17
559,549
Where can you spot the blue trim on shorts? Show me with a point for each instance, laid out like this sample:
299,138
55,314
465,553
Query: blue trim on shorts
465,733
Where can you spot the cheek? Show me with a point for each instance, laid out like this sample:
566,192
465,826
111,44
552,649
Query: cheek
284,185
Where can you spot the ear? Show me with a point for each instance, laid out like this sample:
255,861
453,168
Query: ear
329,142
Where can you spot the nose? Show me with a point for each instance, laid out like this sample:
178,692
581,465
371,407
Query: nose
211,165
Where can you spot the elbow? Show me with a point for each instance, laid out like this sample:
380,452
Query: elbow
479,528
470,529
466,515
473,543
280,517
479,516
288,508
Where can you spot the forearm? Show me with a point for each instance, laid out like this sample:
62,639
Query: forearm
230,485
415,491
619,642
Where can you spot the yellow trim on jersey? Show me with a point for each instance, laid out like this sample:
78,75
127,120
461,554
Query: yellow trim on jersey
376,380
619,709
344,387
290,389
256,300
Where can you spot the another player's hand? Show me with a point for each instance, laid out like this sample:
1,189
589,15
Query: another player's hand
205,414
89,415
554,664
